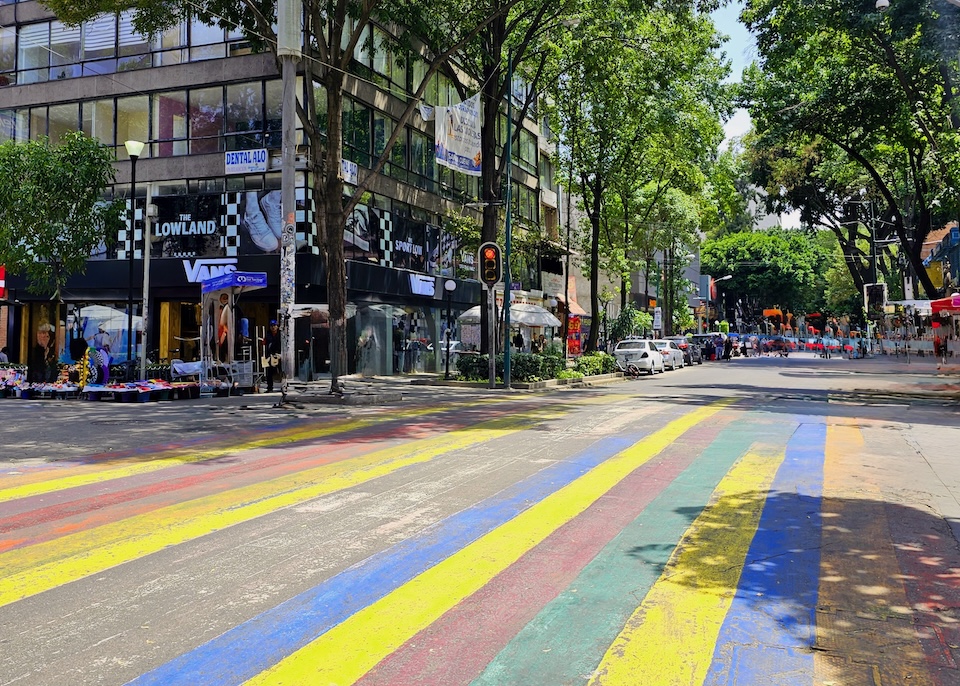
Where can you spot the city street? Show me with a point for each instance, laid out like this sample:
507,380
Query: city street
762,521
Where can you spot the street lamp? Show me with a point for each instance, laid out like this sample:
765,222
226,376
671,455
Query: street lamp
722,314
134,148
449,286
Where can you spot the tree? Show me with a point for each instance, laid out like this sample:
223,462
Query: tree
770,268
640,114
54,216
879,89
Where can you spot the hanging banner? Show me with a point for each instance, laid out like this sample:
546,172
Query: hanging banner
457,140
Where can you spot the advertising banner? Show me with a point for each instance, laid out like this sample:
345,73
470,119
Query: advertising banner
457,136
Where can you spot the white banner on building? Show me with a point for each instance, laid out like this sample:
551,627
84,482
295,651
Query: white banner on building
457,141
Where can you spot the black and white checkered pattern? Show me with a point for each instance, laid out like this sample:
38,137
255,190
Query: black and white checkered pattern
123,235
386,239
306,226
230,221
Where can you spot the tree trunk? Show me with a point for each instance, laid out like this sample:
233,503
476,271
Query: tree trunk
329,186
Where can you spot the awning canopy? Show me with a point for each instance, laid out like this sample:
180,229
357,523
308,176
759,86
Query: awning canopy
946,306
521,314
574,307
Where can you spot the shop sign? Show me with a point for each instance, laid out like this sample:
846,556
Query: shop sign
3,281
203,269
350,172
421,284
245,161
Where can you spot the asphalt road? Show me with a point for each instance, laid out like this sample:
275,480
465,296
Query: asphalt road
760,521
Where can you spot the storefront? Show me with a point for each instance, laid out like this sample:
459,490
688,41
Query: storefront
396,269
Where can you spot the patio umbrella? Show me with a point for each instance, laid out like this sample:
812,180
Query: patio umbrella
521,314
525,314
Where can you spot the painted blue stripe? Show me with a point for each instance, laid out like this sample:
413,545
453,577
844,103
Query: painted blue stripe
766,637
262,641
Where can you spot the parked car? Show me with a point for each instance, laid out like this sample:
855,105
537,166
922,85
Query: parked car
640,352
704,341
692,354
672,355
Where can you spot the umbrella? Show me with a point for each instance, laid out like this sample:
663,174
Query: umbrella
520,313
532,315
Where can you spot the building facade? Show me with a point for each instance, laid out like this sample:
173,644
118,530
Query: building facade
197,93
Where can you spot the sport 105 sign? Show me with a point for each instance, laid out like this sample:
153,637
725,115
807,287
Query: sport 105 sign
245,161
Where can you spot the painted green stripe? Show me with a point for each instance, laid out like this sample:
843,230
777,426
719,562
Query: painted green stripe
568,638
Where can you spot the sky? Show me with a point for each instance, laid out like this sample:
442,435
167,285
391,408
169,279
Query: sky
740,50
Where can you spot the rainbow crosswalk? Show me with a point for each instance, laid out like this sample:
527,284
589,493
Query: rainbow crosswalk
674,544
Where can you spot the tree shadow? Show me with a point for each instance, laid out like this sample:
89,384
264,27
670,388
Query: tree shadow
868,587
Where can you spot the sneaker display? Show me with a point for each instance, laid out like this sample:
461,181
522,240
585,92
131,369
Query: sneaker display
256,224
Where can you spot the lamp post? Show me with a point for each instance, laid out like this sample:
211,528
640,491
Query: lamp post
721,314
134,148
449,286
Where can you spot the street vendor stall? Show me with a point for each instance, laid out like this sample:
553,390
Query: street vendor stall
218,328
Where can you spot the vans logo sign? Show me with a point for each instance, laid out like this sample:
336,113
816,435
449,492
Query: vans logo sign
201,270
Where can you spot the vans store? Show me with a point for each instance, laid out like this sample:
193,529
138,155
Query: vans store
397,301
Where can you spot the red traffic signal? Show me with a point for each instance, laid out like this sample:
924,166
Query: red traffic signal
491,264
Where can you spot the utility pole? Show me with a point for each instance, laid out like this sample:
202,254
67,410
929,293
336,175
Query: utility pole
289,50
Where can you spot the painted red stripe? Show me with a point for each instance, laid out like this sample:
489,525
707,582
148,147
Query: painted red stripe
456,648
161,488
930,562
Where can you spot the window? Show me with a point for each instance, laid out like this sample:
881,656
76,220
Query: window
38,122
422,160
132,115
64,51
8,125
274,111
8,56
170,123
244,116
97,120
99,38
172,43
527,157
133,48
383,128
206,42
33,57
62,119
206,120
356,132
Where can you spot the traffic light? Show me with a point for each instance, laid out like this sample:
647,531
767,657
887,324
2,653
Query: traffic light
491,264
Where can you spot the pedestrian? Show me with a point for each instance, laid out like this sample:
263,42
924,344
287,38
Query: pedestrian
272,354
727,347
4,354
518,342
718,347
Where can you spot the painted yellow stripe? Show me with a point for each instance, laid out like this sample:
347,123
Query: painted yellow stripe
861,584
27,571
349,650
670,638
51,481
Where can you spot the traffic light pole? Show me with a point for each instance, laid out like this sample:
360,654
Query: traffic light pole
492,336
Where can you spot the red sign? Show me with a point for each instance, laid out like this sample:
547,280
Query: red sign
3,281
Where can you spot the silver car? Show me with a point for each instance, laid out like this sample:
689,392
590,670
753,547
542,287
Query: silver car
641,353
672,355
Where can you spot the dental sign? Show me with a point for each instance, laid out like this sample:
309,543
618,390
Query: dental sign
245,161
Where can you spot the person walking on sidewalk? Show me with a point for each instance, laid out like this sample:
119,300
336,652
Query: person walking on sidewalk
272,354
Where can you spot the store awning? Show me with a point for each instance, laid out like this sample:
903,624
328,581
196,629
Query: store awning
574,307
946,306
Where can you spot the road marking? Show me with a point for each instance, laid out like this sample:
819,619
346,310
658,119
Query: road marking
28,571
671,636
374,632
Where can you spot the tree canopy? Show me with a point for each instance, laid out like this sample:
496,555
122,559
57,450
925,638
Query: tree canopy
54,216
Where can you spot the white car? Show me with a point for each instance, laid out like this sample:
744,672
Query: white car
641,353
672,355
